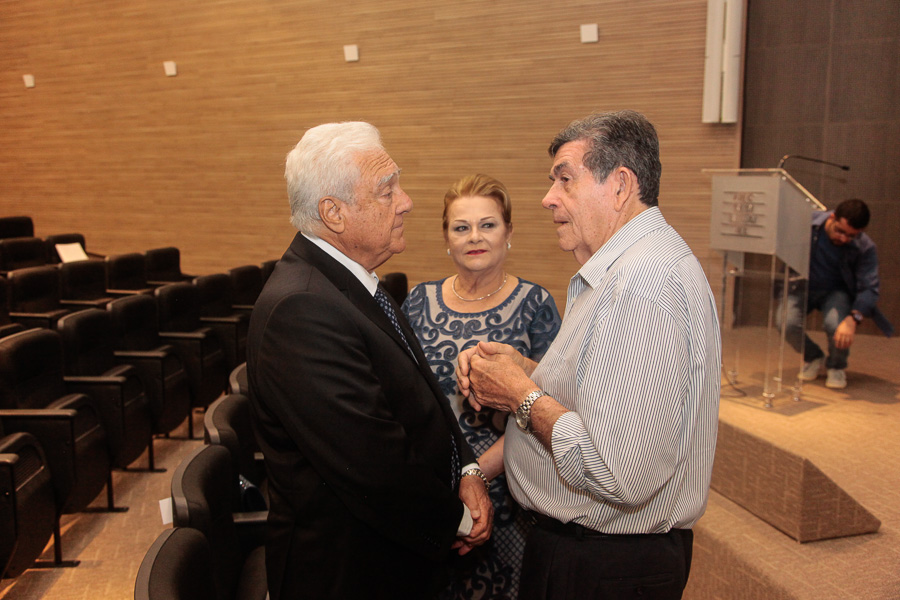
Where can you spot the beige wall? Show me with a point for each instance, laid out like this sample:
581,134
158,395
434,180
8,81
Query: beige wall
105,144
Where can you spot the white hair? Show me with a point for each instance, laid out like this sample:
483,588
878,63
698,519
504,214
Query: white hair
323,163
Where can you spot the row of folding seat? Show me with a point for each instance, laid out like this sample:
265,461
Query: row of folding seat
118,384
215,549
94,282
21,252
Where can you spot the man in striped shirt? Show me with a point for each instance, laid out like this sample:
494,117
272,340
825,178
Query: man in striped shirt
616,426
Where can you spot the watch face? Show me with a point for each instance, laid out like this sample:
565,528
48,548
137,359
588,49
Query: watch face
521,420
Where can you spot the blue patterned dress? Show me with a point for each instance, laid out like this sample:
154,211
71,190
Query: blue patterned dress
528,320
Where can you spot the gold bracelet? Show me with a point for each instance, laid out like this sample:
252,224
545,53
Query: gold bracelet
478,472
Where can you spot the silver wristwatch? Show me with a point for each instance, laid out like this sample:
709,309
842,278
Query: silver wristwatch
523,413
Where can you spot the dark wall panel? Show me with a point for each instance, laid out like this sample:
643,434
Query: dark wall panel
823,80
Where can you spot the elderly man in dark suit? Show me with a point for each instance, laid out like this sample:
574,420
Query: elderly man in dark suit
371,481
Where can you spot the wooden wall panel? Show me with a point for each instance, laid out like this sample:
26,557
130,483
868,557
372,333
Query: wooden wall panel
105,144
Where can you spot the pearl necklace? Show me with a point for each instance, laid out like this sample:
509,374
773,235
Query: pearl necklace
453,287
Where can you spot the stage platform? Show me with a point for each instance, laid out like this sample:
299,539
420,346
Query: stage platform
853,437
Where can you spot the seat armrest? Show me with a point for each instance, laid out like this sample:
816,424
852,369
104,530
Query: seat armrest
158,354
117,292
55,431
251,529
46,320
179,336
235,319
95,303
92,380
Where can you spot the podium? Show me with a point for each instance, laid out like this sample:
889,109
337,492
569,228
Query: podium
760,222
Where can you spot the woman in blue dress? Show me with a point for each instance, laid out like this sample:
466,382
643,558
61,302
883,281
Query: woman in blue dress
482,302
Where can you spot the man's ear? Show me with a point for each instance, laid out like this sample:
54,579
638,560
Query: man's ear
331,214
626,186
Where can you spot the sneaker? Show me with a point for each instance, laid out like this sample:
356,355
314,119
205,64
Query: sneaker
837,379
810,370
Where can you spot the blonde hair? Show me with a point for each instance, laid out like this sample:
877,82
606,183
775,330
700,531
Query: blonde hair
479,185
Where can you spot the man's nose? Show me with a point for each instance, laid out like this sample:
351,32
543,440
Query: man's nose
549,200
405,205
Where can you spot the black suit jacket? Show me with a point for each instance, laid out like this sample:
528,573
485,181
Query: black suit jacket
356,436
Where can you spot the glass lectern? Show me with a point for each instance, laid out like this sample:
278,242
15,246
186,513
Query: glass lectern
760,221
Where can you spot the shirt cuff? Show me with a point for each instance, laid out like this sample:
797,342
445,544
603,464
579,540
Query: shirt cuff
465,526
472,465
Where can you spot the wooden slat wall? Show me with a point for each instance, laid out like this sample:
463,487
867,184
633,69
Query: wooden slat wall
106,145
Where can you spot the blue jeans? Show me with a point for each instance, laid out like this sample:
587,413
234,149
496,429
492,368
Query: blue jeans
835,306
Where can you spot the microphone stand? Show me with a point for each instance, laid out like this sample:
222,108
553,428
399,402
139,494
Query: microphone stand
815,160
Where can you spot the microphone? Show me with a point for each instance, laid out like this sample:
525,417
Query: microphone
815,160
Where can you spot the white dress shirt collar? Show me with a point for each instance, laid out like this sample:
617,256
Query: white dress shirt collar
368,279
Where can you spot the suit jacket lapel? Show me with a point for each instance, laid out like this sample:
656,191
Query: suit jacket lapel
344,281
355,291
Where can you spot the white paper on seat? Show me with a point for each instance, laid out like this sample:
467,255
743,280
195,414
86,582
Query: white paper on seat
71,252
165,510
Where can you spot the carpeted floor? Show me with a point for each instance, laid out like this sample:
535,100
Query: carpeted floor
852,436
109,546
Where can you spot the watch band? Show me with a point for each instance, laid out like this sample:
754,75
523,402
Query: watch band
479,473
523,413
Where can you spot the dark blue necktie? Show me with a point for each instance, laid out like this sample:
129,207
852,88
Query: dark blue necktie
385,305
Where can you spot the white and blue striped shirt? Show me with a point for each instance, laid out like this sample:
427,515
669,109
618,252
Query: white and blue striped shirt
637,363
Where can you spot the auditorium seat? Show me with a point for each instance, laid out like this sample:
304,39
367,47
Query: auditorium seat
199,347
246,284
18,226
228,423
164,266
8,526
177,566
267,268
83,284
397,285
216,312
203,490
33,394
7,326
91,368
237,380
127,274
27,503
21,253
136,341
34,297
63,238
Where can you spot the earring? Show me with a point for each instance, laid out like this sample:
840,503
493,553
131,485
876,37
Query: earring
448,251
508,246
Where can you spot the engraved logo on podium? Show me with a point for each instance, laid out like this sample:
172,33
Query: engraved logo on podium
743,215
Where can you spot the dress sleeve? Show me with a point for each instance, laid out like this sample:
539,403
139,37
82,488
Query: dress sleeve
544,325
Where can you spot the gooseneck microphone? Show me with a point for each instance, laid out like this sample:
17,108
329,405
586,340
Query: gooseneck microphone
815,160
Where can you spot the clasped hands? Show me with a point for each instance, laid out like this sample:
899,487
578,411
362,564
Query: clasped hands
494,375
489,368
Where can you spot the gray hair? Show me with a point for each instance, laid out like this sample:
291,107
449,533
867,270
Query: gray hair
323,164
617,139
